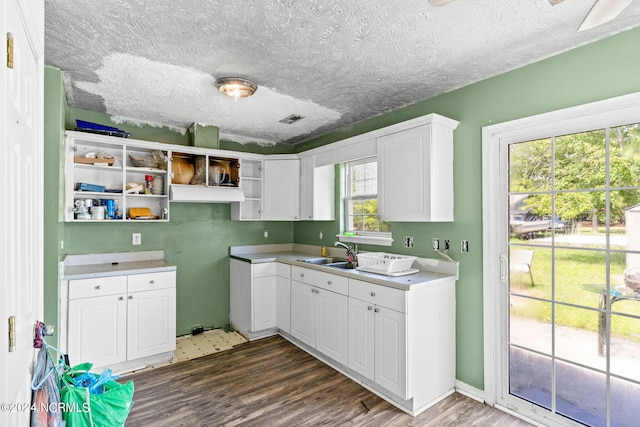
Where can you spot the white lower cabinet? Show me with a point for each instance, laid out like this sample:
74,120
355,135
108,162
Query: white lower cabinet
404,340
98,330
151,326
319,315
263,302
377,344
121,318
254,297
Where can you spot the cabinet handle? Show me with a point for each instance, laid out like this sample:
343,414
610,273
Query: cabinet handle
120,298
377,310
97,288
301,274
130,296
152,282
373,294
328,282
369,308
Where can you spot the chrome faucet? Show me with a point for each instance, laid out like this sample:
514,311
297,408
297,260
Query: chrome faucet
347,248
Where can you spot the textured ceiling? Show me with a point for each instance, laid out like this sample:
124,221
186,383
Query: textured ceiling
335,62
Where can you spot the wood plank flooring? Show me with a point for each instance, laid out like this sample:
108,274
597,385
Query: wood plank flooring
271,382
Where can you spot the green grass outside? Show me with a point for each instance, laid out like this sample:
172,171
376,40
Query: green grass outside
574,268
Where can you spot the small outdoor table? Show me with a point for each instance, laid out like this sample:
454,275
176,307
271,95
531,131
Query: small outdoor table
618,293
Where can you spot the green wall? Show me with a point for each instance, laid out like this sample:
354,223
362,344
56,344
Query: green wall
198,236
601,70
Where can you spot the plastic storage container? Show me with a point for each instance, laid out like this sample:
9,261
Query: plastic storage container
384,263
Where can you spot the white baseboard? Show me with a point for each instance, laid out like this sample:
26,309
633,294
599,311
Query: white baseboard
470,391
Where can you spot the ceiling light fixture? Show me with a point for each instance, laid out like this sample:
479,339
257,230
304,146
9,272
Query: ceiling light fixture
236,87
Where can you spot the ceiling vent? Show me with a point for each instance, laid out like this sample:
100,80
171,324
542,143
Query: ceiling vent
291,119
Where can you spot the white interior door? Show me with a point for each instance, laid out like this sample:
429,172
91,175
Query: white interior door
21,164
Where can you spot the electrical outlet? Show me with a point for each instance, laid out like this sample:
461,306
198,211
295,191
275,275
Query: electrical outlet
321,235
446,245
408,242
464,246
436,244
266,234
136,238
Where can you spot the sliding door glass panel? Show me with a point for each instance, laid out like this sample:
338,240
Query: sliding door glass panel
579,275
530,271
527,227
530,324
530,166
580,161
574,310
530,376
625,348
624,403
577,344
581,394
625,149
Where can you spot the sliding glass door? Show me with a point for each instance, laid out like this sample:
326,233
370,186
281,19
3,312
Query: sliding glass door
569,304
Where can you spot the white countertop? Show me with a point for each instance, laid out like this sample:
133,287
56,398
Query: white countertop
114,264
430,270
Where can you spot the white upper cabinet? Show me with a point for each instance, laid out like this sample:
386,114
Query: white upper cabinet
317,191
251,184
415,172
281,190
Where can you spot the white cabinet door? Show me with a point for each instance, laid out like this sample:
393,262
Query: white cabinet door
331,324
303,317
415,173
151,323
97,330
283,304
281,190
317,191
263,303
391,350
361,337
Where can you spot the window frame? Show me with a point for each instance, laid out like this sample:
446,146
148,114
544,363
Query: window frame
347,200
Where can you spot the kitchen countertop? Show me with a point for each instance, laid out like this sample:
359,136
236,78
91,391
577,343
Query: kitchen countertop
116,264
292,256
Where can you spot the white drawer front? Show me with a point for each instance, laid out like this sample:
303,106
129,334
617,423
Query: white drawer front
321,279
151,281
97,287
383,296
264,269
283,270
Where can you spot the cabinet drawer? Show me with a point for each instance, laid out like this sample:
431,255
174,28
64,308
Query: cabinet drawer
384,296
283,270
151,281
321,279
97,287
264,269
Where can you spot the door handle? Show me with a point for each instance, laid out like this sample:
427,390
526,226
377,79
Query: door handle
503,268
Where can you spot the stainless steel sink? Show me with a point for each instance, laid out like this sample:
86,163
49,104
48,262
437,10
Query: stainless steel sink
318,261
329,262
342,264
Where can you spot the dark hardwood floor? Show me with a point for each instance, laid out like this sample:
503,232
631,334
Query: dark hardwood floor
271,382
